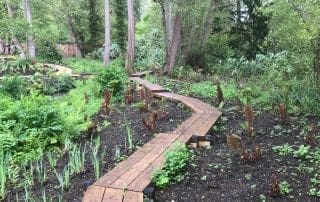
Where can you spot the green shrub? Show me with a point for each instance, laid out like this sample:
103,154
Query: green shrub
13,86
48,51
84,65
73,107
113,77
34,123
176,159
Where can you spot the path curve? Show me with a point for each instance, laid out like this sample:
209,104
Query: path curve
127,181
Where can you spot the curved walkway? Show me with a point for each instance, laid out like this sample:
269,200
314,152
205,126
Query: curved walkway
127,181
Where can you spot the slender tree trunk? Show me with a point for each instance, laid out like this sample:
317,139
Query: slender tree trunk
239,14
106,59
131,38
175,43
207,24
74,36
14,39
316,61
173,37
30,40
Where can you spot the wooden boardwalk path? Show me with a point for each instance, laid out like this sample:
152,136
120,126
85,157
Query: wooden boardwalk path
127,181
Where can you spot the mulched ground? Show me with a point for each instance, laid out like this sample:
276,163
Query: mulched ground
217,174
113,141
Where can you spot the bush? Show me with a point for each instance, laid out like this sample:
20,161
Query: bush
13,86
84,65
113,77
33,122
176,160
48,51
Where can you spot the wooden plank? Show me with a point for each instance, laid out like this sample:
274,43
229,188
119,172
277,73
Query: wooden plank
113,195
152,87
140,74
94,194
132,196
125,165
194,129
169,96
208,124
126,179
186,124
145,178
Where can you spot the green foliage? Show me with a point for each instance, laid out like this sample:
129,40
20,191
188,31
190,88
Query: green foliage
176,159
302,152
150,42
16,66
283,150
95,25
248,35
32,124
48,52
119,23
204,89
13,86
217,50
54,85
284,188
113,77
84,65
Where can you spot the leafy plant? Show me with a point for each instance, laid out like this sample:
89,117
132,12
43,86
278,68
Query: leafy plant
97,157
13,86
283,150
77,158
302,152
129,136
113,78
3,175
284,188
176,159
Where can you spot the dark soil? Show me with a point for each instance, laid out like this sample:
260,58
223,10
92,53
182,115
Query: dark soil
217,174
113,142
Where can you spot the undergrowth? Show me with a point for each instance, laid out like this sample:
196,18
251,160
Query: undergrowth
176,159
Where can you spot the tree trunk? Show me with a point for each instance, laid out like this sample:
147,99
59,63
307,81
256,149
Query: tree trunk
131,38
316,62
14,39
239,12
106,59
172,34
207,24
174,46
30,41
74,35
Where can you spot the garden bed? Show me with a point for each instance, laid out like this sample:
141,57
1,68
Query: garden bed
113,146
217,173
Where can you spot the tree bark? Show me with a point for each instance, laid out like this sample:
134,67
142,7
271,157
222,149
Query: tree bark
239,12
207,24
131,38
14,39
173,36
74,35
106,59
30,40
174,46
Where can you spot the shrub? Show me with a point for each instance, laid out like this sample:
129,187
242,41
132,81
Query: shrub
48,51
113,77
34,123
13,86
176,159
